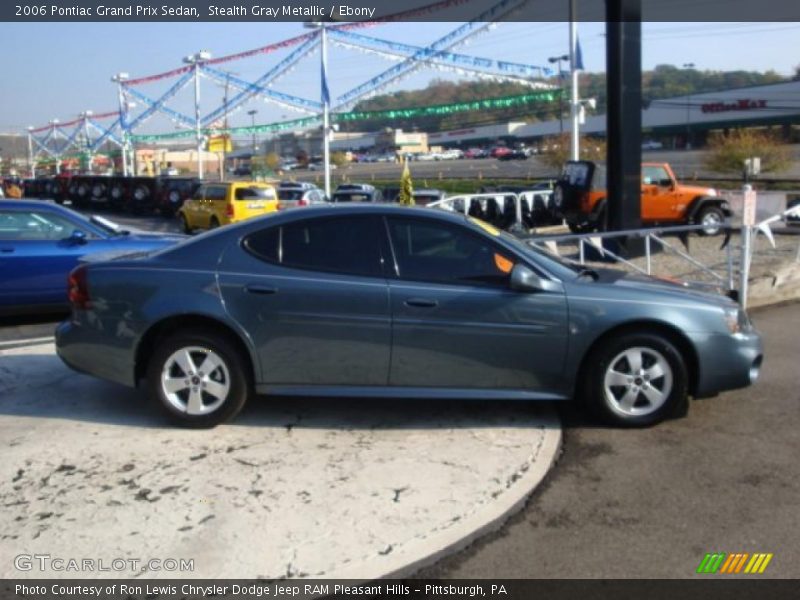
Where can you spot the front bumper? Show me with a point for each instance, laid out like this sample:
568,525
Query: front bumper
727,362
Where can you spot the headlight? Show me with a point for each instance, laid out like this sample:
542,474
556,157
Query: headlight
737,320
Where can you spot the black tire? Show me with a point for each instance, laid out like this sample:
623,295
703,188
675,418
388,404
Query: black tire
712,215
670,389
584,227
184,224
231,375
213,223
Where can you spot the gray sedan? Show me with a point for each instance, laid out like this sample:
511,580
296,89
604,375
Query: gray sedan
379,300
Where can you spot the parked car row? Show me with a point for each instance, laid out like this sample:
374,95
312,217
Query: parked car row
136,195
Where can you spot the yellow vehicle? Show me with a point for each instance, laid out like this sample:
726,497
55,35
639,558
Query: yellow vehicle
215,204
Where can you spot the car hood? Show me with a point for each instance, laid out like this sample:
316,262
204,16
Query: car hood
697,190
660,285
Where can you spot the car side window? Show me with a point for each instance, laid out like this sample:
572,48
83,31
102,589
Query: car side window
348,245
35,226
654,175
443,253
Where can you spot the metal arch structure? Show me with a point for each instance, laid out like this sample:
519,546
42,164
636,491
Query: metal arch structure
79,138
437,55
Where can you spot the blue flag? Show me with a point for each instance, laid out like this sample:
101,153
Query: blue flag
578,55
326,94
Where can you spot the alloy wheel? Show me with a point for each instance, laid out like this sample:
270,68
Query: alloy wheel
195,380
637,382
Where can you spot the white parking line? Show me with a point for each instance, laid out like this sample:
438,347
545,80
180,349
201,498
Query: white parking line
30,341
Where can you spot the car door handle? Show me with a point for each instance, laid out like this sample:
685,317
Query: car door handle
263,290
6,250
422,302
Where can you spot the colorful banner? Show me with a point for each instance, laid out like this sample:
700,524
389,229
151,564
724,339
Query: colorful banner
448,109
503,102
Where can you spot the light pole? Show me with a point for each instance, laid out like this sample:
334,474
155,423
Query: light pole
56,154
196,60
558,60
119,79
688,111
326,102
252,114
85,116
31,165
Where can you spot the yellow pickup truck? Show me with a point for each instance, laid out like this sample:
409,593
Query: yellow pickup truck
215,204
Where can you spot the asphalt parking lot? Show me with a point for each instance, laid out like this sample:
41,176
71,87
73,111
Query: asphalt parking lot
650,503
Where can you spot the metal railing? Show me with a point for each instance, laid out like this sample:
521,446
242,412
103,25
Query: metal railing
654,240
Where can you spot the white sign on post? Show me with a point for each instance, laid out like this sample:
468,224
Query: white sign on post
749,208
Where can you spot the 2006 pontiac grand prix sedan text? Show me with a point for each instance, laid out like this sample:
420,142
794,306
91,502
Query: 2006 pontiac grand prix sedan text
377,301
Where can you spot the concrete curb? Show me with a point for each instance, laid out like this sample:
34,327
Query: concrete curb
467,531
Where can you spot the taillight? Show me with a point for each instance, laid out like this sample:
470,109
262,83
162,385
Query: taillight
78,289
229,210
302,202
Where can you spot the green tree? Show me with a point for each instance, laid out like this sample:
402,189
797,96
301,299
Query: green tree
727,152
557,150
339,159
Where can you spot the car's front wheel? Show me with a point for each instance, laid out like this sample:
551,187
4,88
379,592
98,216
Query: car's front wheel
712,219
199,379
184,223
636,380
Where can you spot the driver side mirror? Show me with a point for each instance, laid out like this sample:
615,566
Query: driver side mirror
77,237
525,280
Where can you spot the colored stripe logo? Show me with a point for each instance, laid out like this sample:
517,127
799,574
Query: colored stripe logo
734,563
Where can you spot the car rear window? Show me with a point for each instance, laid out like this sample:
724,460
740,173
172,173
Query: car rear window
255,193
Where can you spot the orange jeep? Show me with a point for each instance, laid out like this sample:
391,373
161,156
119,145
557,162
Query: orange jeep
580,199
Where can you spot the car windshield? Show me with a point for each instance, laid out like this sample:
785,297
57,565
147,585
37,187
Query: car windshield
290,194
106,226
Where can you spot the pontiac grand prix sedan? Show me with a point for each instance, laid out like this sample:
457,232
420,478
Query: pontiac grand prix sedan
380,300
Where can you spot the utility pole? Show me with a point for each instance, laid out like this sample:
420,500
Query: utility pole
31,164
85,116
558,60
688,111
119,78
574,100
195,60
326,102
56,154
252,114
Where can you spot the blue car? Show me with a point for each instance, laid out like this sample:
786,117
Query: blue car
41,242
377,300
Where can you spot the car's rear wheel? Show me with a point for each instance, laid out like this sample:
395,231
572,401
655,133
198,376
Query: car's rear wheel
636,380
214,223
198,379
711,218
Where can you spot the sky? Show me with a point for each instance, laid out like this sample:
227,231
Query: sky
57,70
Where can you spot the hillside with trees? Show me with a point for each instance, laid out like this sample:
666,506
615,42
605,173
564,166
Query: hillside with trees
664,81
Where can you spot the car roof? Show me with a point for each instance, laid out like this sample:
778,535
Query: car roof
381,208
31,204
